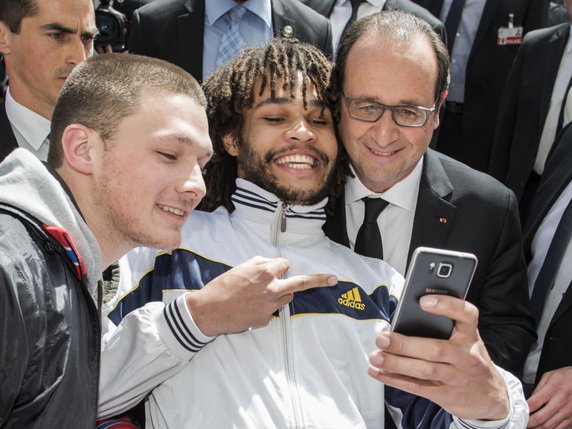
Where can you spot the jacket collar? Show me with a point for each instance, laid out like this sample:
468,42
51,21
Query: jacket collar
253,203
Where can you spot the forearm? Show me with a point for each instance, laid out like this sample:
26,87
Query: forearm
517,416
150,345
415,411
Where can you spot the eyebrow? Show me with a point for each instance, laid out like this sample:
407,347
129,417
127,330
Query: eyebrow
401,102
182,140
67,30
287,100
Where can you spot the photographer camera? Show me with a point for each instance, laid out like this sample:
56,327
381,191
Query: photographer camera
112,26
112,19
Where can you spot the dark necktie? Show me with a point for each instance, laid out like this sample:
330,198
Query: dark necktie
355,8
434,7
552,261
368,240
452,22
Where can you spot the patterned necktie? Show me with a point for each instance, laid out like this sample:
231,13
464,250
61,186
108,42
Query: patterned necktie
232,41
545,280
368,240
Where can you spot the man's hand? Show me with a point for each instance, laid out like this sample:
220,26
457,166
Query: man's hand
247,295
452,373
551,402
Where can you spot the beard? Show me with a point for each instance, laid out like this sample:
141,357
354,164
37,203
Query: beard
257,169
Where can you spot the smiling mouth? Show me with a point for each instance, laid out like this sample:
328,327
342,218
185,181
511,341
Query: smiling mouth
383,154
297,162
172,210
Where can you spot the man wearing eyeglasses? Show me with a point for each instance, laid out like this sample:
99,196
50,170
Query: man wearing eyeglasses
388,85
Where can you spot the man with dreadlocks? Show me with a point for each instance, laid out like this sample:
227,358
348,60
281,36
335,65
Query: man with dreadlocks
276,160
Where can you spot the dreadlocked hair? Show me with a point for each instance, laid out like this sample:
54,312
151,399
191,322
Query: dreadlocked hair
232,88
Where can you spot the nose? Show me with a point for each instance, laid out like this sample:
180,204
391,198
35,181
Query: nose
301,132
385,130
193,183
78,51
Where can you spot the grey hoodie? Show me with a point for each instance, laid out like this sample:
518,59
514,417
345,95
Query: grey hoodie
27,184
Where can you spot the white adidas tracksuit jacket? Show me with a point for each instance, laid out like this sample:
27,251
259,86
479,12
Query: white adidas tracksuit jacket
307,368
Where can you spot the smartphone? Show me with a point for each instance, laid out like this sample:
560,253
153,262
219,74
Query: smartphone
432,271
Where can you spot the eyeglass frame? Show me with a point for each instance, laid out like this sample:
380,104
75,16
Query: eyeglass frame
428,111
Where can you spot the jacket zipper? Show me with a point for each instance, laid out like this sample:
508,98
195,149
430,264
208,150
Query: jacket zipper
284,317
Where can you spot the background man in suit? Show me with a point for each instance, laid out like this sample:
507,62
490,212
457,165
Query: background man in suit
530,112
433,200
189,32
480,65
548,367
341,13
41,41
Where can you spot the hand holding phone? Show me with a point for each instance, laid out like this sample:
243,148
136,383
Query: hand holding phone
432,271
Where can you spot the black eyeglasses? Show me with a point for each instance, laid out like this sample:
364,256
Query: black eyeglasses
368,110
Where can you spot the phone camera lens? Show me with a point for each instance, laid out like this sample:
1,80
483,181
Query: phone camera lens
444,270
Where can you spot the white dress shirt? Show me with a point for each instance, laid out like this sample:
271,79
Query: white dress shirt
255,27
31,130
539,248
395,222
342,13
556,99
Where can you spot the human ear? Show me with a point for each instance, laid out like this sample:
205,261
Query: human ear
76,145
230,144
437,113
5,36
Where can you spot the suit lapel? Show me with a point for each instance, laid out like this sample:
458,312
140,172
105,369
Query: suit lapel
7,138
554,52
434,214
335,227
564,305
487,19
330,8
389,5
433,6
556,177
323,7
190,26
281,19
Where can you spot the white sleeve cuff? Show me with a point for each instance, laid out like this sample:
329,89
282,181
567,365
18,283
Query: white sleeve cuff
518,408
178,330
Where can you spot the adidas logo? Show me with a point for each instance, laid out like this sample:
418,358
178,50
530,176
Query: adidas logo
352,299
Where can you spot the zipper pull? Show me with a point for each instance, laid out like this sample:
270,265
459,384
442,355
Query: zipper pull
283,218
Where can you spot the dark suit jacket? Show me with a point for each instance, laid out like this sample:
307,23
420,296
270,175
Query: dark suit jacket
173,30
557,14
325,7
7,138
557,347
481,217
525,104
488,68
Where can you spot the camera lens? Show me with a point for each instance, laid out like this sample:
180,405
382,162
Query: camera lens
108,29
112,27
444,270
